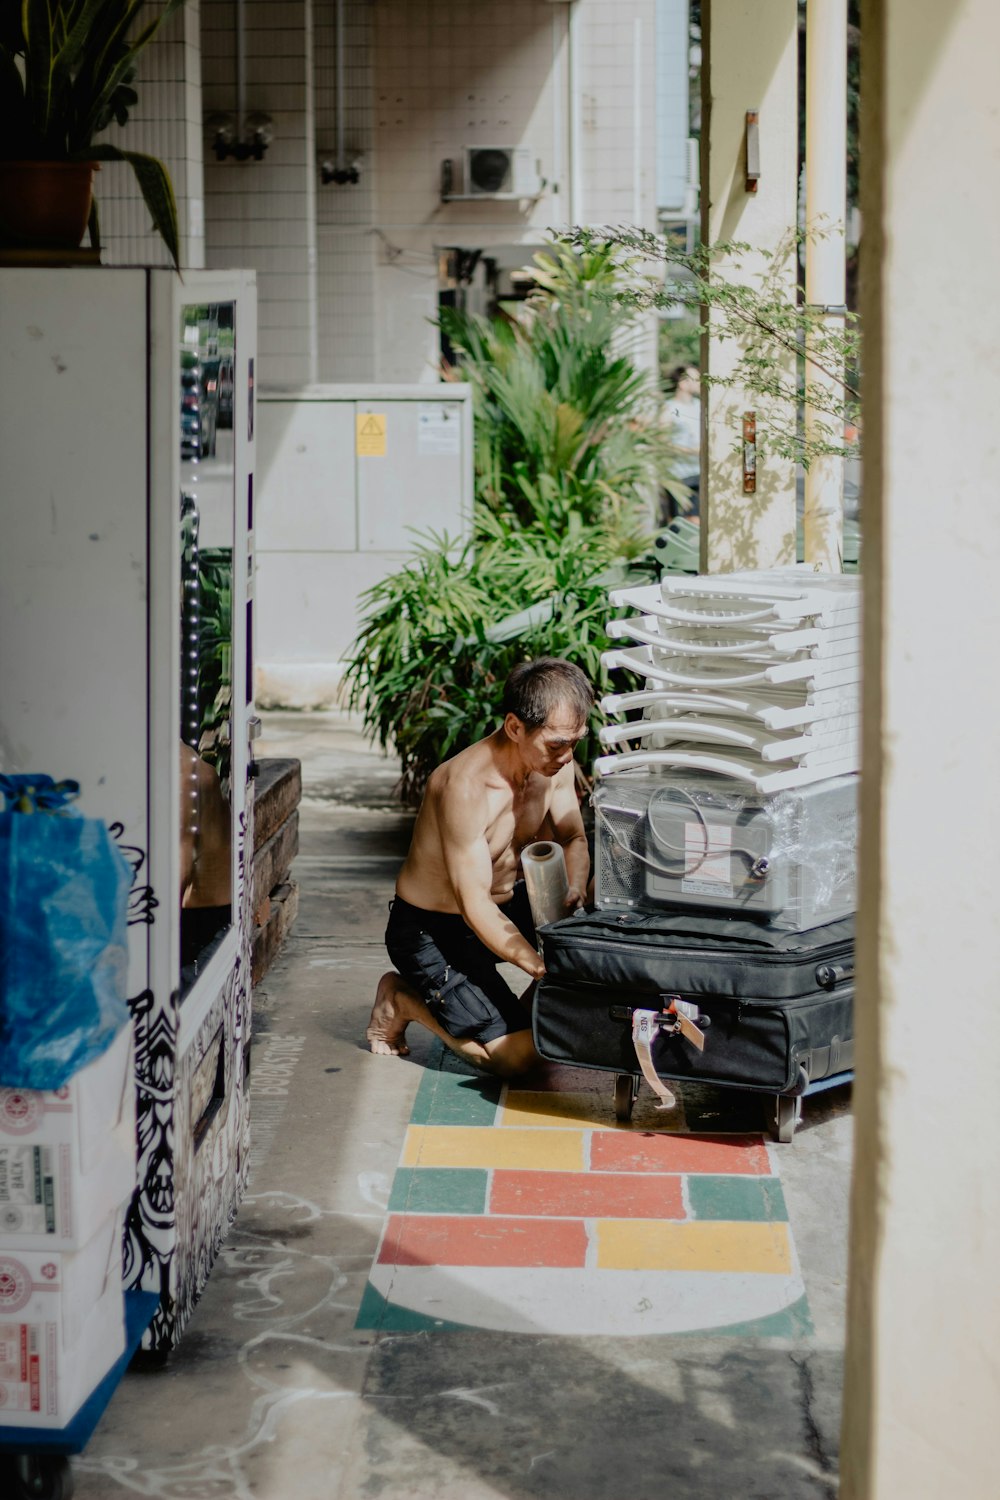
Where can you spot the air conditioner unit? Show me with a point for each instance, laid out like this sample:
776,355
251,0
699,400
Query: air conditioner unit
501,172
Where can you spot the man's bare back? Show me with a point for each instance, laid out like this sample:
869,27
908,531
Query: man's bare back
480,809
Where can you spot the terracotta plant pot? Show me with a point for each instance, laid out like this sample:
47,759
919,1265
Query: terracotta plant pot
45,204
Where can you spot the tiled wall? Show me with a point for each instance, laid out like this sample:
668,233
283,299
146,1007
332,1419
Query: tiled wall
617,54
262,214
166,123
451,73
348,275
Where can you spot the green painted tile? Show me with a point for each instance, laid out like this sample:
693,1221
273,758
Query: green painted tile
444,1060
737,1198
793,1322
438,1190
455,1099
378,1313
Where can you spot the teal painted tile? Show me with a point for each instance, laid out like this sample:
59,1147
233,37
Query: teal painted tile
378,1313
438,1190
793,1322
445,1061
455,1099
737,1199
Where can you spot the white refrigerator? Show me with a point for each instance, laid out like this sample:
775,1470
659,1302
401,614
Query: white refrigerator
126,636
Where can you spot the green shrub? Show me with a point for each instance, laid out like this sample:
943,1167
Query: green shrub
569,448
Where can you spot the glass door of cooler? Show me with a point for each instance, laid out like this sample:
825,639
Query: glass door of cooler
206,519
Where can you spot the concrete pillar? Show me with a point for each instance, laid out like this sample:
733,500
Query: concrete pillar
922,1384
826,268
749,62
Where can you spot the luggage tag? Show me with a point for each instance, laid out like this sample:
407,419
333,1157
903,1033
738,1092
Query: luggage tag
685,1017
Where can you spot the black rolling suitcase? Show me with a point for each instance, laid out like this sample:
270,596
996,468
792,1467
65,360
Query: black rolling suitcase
733,1003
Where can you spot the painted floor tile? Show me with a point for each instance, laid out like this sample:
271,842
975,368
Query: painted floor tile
587,1195
455,1099
735,1198
583,1304
437,1240
644,1245
534,1209
524,1108
622,1151
454,1146
438,1190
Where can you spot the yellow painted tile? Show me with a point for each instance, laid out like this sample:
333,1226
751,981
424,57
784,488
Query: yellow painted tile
459,1146
534,1107
648,1245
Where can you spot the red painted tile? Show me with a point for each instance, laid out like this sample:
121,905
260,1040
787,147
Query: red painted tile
627,1151
439,1240
587,1195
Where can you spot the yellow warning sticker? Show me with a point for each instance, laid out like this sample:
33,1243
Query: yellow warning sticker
369,434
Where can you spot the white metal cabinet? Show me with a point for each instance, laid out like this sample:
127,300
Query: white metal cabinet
122,629
350,476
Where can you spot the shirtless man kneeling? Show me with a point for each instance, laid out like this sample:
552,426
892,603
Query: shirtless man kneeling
460,908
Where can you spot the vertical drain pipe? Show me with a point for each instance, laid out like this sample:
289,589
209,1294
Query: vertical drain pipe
575,118
341,86
241,71
826,211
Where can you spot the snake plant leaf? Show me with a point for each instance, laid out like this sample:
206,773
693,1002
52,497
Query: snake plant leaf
155,186
115,64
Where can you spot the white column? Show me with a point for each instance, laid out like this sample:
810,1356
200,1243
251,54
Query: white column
826,211
922,1387
749,62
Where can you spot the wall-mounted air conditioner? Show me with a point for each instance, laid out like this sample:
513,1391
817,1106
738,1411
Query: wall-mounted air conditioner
501,172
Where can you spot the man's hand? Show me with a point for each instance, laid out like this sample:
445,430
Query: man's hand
574,900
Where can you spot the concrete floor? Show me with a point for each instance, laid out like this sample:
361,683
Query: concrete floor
275,1393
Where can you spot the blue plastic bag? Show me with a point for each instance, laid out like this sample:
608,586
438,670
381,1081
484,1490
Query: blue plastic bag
63,935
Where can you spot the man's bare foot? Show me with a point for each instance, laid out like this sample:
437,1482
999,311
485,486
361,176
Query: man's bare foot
387,1028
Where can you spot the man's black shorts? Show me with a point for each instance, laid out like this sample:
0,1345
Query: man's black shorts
454,971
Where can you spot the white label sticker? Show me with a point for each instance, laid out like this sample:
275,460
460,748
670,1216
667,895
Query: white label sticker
438,428
710,870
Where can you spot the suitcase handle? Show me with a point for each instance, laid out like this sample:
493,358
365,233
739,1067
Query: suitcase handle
828,976
625,1013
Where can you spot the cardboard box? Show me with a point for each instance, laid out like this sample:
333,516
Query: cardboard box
68,1156
62,1327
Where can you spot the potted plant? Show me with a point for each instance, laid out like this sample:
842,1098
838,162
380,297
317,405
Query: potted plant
66,72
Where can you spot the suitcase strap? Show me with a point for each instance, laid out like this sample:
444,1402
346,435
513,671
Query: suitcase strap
679,1018
645,1026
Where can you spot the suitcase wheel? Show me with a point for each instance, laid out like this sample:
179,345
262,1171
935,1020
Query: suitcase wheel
626,1091
783,1114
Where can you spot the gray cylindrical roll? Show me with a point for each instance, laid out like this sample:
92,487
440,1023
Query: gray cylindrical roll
544,866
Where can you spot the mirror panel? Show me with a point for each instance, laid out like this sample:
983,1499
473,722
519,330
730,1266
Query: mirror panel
207,505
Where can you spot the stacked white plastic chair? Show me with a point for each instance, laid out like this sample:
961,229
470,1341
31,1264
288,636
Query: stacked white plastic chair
730,773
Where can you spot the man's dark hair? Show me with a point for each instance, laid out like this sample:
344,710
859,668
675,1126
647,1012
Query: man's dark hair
535,688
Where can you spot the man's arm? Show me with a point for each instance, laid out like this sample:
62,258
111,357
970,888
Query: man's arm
567,830
470,871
